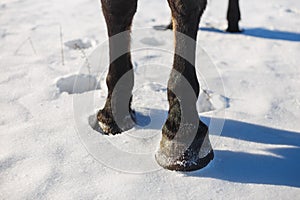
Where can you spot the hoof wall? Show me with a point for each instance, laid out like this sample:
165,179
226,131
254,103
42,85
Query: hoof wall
110,127
188,165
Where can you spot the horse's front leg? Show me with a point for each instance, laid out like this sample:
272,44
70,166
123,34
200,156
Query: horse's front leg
185,143
233,16
117,116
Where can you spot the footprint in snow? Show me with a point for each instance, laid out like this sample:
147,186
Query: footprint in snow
84,83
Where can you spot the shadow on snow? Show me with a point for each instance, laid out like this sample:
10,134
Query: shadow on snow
262,33
244,167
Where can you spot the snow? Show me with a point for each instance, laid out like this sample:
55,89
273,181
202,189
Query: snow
52,81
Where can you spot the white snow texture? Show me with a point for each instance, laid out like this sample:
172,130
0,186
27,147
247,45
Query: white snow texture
43,154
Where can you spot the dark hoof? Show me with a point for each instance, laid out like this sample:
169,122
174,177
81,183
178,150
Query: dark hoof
234,31
175,155
190,165
109,125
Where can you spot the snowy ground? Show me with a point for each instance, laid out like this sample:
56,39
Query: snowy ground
48,149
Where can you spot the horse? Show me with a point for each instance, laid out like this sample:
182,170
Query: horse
185,144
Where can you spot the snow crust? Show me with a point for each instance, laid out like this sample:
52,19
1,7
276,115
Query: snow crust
43,155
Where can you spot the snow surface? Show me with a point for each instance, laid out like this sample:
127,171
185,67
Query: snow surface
50,147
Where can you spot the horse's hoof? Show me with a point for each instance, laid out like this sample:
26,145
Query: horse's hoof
174,155
110,127
234,31
185,164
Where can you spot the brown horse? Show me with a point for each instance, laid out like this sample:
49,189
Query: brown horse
185,142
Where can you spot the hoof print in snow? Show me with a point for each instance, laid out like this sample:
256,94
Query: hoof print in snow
81,43
142,120
210,101
84,83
